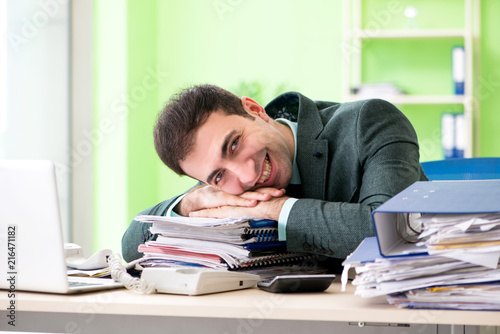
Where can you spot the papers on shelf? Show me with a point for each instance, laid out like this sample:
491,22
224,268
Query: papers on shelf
382,89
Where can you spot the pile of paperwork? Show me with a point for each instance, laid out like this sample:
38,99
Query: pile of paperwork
228,244
437,246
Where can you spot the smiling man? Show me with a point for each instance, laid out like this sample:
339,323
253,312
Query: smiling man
318,168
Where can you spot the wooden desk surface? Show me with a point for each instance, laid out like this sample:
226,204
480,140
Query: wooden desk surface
332,305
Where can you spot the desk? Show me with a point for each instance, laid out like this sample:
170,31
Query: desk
245,311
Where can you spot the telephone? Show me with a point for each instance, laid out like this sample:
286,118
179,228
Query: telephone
75,259
181,280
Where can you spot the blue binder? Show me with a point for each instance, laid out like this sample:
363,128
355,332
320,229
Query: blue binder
367,251
453,197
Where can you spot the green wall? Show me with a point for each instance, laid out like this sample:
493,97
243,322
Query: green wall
149,50
281,44
488,89
144,81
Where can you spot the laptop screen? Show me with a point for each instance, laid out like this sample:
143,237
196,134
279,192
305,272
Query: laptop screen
31,228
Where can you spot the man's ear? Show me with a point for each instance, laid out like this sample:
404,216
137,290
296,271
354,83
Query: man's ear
254,109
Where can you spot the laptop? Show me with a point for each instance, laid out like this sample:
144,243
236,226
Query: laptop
32,257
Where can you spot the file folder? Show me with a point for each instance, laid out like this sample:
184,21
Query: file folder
451,197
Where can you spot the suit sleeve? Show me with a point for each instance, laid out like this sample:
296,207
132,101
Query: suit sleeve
138,233
385,159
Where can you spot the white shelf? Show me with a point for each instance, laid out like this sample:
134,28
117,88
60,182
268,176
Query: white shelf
414,99
434,33
352,48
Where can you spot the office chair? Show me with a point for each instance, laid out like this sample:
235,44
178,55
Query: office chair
462,169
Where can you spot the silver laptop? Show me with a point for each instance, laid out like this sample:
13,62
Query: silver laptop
32,256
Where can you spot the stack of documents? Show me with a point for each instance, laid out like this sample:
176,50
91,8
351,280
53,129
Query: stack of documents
463,297
474,238
405,278
437,246
231,244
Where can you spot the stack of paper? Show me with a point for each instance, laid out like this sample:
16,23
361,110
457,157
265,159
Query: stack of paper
408,281
232,243
473,238
463,297
438,246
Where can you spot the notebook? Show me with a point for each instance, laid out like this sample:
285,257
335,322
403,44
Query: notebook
32,257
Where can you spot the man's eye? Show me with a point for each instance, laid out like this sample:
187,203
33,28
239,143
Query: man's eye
218,177
234,144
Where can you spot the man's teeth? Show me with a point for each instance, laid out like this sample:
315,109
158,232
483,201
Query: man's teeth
267,171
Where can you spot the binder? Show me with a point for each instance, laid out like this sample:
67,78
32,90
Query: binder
460,136
458,68
391,219
367,251
448,135
453,135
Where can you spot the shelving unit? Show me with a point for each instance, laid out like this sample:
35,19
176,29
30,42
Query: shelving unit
355,35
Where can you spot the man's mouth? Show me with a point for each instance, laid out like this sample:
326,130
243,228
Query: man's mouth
267,171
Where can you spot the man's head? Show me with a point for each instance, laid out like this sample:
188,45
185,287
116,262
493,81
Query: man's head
214,136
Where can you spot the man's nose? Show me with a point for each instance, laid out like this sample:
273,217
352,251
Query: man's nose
245,172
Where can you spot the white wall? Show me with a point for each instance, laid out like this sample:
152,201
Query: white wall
37,79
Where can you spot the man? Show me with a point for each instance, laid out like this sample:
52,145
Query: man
318,168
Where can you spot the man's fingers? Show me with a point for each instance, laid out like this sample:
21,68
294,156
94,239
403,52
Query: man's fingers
218,212
271,191
263,194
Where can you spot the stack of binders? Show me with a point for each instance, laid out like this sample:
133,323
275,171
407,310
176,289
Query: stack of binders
229,244
437,246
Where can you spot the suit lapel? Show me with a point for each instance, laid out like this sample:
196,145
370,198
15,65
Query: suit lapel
312,153
313,164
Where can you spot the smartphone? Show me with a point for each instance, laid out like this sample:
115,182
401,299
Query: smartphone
297,283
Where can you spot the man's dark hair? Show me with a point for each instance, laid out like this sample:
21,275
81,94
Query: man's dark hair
183,114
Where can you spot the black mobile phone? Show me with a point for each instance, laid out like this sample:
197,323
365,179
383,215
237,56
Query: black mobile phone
297,283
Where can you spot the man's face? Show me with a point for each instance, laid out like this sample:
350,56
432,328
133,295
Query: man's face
237,154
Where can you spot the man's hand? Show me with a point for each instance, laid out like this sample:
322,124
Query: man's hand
206,197
263,209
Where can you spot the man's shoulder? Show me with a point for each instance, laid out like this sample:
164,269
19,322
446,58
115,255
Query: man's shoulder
289,104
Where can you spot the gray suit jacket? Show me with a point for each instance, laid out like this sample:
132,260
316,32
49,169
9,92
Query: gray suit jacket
352,157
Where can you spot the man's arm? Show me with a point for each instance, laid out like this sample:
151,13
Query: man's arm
200,197
207,197
138,233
